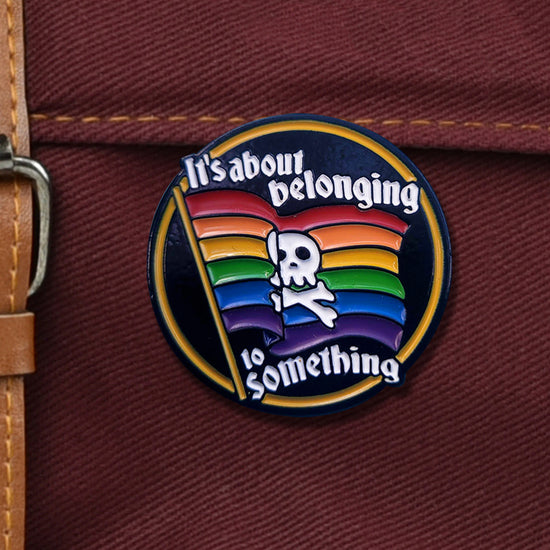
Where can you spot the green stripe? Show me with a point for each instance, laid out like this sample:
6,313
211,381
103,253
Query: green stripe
239,269
363,279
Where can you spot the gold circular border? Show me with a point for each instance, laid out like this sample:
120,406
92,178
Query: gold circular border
406,350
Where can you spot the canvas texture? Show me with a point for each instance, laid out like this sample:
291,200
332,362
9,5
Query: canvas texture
125,447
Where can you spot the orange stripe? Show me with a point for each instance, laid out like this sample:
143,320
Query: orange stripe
231,225
338,236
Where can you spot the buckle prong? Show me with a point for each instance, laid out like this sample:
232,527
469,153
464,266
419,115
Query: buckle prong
40,181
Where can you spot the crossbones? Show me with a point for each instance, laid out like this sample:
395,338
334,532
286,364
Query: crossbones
298,260
308,298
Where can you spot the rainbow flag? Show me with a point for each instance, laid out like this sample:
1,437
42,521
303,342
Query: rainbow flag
359,265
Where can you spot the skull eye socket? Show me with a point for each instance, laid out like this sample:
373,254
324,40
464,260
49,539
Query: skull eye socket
303,253
282,254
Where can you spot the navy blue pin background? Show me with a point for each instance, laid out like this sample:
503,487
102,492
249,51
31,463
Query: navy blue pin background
323,153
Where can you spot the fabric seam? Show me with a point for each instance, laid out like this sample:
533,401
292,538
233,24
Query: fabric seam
237,120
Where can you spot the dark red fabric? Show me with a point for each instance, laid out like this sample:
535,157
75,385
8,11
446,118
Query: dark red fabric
126,448
446,73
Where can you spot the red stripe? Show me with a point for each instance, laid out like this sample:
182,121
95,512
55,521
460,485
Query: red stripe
210,203
329,215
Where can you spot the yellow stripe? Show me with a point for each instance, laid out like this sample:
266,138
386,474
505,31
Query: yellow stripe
361,257
437,284
166,311
318,400
178,195
223,247
316,126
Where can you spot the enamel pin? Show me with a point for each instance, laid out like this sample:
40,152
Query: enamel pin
299,264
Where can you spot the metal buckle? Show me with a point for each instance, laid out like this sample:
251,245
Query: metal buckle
40,182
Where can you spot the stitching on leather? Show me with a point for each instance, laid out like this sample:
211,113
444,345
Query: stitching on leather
16,197
9,454
13,273
15,244
13,90
236,120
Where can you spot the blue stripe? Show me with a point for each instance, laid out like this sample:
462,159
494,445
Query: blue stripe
247,293
298,315
352,301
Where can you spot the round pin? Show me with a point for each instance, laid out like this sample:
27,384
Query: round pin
299,264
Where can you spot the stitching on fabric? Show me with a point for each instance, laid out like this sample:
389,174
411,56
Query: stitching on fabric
236,119
13,273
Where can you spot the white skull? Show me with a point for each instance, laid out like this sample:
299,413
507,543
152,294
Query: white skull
297,256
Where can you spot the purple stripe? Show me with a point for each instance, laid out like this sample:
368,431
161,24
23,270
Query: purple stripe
253,317
301,337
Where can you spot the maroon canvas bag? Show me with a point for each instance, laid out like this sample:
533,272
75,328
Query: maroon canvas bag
126,448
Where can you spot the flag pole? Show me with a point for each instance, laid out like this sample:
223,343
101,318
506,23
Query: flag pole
186,220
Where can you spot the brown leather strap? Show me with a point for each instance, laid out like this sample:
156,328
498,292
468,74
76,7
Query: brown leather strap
16,344
15,259
13,107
